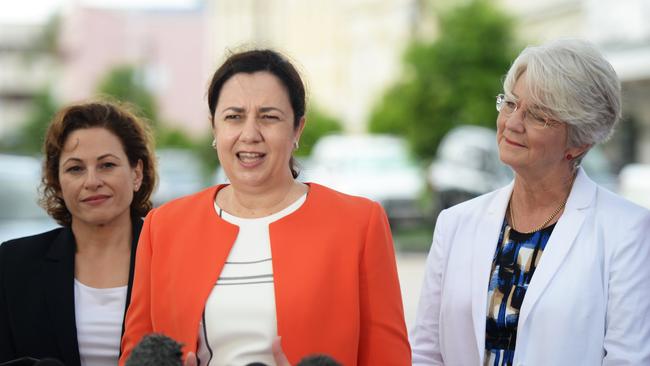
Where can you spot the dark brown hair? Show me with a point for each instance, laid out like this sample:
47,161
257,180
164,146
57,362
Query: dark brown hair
262,60
134,134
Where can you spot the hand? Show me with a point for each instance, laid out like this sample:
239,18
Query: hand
278,355
190,360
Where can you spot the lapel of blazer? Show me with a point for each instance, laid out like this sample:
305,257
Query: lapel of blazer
560,242
136,227
59,294
209,239
484,242
291,257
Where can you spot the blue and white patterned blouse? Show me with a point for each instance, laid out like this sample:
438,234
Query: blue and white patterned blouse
514,263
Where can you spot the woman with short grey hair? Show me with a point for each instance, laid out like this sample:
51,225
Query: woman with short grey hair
551,269
583,92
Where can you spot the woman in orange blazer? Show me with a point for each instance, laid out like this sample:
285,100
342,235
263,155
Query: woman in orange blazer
229,269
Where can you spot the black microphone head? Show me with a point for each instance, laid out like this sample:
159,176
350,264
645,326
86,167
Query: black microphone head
318,360
156,350
49,362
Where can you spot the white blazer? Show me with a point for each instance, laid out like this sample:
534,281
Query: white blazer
588,302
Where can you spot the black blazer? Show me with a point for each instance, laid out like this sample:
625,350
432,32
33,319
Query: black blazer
37,316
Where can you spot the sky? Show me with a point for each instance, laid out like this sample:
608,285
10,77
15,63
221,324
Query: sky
35,11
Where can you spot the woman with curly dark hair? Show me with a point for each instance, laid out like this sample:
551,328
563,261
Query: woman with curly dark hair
64,293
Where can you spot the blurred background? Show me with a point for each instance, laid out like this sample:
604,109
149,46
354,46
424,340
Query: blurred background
401,92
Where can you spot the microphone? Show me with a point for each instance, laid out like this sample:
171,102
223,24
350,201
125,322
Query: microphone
318,360
312,360
156,350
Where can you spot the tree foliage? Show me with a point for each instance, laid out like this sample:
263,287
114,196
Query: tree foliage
125,83
451,81
174,137
318,125
29,139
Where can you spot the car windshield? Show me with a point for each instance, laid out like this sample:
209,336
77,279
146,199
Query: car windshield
373,163
364,155
177,163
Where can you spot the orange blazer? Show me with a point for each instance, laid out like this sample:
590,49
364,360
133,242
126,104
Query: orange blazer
335,277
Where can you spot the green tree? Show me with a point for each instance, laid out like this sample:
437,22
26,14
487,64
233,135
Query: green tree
174,137
125,83
29,139
451,81
318,125
203,149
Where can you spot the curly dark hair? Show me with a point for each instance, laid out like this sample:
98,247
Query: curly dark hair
133,132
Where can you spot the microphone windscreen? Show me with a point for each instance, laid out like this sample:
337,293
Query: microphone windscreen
156,350
318,360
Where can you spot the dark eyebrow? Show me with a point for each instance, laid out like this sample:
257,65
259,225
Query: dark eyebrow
109,155
77,160
234,109
270,109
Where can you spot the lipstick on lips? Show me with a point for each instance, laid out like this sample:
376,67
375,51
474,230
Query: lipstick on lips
96,199
513,143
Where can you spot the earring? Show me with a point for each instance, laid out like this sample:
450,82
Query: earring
214,143
569,157
295,145
137,187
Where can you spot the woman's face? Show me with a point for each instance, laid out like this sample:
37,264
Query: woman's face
525,144
254,130
97,181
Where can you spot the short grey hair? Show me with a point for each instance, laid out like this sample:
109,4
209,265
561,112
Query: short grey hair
569,80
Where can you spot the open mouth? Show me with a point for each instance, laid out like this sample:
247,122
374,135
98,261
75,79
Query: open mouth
250,157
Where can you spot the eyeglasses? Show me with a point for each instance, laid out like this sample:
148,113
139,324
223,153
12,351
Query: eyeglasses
531,117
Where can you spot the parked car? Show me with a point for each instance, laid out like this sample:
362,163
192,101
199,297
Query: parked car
20,214
467,165
179,174
378,167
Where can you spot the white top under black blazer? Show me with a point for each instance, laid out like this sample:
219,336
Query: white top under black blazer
588,302
37,299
